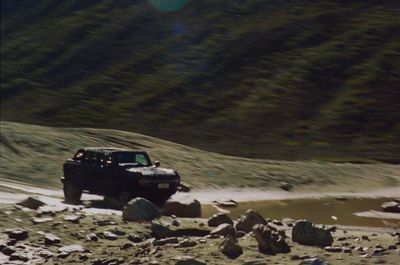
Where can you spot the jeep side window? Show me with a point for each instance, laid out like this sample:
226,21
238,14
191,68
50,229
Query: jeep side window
141,159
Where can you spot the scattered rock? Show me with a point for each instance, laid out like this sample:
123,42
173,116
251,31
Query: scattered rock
231,248
19,257
72,218
286,186
169,240
160,230
188,260
306,233
228,203
186,243
314,261
109,235
71,248
277,222
17,234
218,219
108,261
8,251
392,207
175,222
50,239
31,203
191,209
135,238
333,249
104,222
247,221
40,220
270,240
118,231
140,209
126,246
92,237
224,230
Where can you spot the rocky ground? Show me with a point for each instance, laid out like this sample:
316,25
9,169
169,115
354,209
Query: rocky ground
64,234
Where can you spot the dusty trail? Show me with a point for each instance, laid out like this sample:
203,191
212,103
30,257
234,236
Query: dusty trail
12,192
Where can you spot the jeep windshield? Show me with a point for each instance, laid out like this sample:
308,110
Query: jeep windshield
127,158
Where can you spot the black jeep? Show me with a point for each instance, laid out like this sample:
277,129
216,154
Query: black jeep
119,173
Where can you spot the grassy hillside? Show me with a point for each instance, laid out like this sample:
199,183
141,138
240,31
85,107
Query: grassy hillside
273,79
35,154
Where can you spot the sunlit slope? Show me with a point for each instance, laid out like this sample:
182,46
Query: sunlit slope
255,78
35,154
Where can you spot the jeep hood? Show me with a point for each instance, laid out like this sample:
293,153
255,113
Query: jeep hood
153,171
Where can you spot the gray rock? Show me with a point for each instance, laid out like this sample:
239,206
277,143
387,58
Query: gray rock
31,203
40,220
140,209
162,242
92,237
286,186
230,248
104,222
19,257
314,261
135,238
71,248
188,260
186,243
392,207
191,209
109,235
224,230
305,233
72,218
333,249
218,219
270,240
17,234
50,239
8,251
160,230
126,246
247,221
108,261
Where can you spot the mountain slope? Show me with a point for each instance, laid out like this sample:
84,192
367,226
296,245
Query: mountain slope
276,79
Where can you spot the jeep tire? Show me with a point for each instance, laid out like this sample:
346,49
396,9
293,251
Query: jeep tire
72,194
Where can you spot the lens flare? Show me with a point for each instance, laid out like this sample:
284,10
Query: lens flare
168,5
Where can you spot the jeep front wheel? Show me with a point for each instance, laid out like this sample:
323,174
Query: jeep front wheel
72,194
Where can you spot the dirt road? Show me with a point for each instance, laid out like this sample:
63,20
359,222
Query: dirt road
12,192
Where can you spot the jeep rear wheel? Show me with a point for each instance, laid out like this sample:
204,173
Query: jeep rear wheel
72,194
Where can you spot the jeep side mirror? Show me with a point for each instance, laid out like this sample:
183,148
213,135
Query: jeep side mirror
157,163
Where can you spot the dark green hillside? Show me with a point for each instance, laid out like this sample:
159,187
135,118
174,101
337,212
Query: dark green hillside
275,79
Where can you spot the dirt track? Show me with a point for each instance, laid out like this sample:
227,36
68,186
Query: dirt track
12,192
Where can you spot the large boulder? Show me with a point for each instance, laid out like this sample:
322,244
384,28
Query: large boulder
247,221
191,209
218,219
391,206
270,240
230,247
305,233
140,209
31,203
